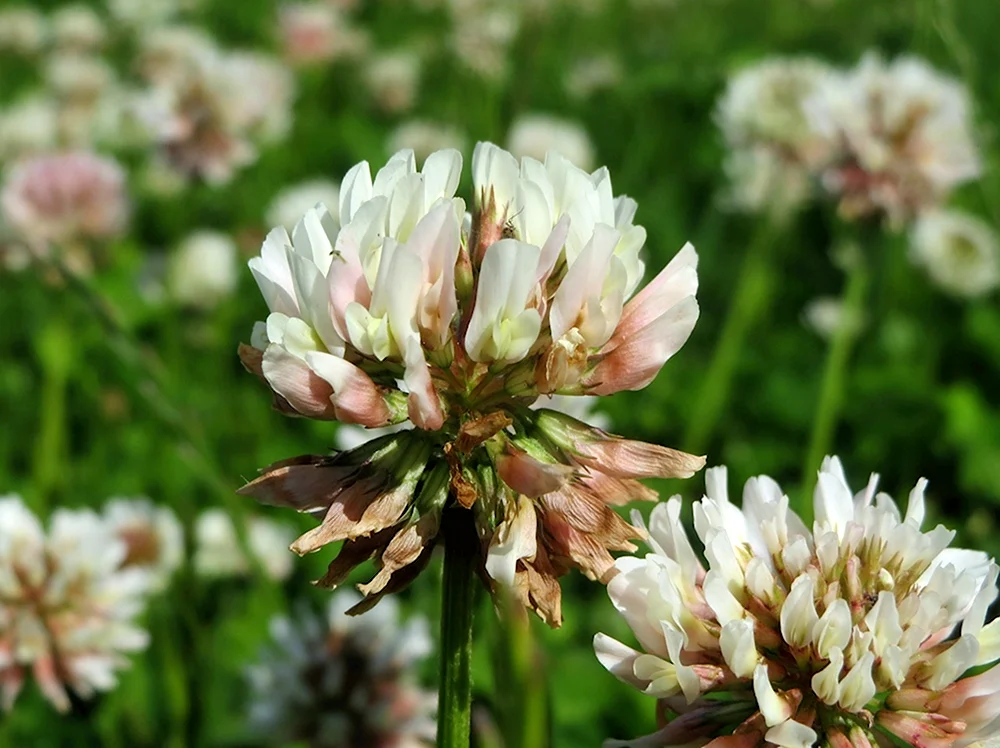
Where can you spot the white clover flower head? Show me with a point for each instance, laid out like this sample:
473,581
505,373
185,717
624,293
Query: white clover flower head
202,269
28,127
153,537
167,52
772,145
589,75
23,30
858,633
343,681
217,552
315,32
78,79
209,120
482,32
393,79
959,252
296,200
825,315
903,136
78,28
424,137
65,198
534,135
409,311
68,605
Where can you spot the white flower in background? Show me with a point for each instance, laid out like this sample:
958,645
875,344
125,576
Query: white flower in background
23,30
68,607
534,135
296,200
855,634
772,146
167,52
65,198
393,79
313,32
217,550
824,315
28,127
424,137
960,253
337,680
482,32
903,137
589,75
209,121
202,269
385,317
153,537
77,28
78,78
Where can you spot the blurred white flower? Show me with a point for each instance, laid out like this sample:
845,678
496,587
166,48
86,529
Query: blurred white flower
482,32
153,537
27,128
343,680
147,14
294,201
209,119
65,198
902,134
202,269
866,624
68,607
824,315
78,78
217,550
393,79
77,28
167,52
314,32
960,253
772,147
424,137
534,135
23,30
588,75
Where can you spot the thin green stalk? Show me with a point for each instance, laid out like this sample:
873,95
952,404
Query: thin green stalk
55,354
521,687
455,683
750,300
832,385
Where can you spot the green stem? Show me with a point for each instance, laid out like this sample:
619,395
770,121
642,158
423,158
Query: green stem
751,298
55,355
834,377
455,687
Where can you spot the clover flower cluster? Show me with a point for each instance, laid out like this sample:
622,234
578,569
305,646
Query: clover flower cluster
412,310
884,138
70,597
866,631
343,682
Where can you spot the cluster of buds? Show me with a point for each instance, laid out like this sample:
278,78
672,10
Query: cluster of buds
884,139
866,631
414,310
343,682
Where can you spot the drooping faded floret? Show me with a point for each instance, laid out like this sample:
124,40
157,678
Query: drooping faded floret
865,631
410,310
340,682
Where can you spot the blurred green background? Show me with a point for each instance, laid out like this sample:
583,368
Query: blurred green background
106,391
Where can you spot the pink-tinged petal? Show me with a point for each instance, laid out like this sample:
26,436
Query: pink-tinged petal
583,284
49,682
678,280
423,403
436,241
514,539
529,476
346,276
635,362
625,458
354,397
307,483
924,730
292,378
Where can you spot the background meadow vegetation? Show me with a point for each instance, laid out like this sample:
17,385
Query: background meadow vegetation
109,388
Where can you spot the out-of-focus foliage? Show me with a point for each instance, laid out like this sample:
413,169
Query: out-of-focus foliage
107,387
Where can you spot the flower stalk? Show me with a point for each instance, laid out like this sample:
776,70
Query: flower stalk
457,597
750,302
835,372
